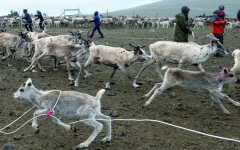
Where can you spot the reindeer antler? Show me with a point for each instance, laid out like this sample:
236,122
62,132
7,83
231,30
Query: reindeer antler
211,36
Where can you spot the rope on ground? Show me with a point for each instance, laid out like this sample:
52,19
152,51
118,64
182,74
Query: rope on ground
137,120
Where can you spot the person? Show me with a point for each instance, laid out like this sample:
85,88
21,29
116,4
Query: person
218,23
40,17
97,24
27,17
182,28
238,15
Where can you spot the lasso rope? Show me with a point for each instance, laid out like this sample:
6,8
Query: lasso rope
138,120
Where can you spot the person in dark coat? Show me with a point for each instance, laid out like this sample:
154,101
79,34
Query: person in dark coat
27,17
238,15
40,17
97,24
182,28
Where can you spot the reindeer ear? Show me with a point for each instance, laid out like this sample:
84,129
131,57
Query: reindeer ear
29,84
212,42
225,71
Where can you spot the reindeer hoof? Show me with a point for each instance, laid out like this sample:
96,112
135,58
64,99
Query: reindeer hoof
76,84
25,70
106,139
73,128
87,75
36,131
71,79
43,70
55,69
34,70
136,85
228,113
145,96
107,85
144,105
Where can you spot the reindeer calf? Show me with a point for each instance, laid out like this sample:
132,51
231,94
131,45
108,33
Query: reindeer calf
67,104
198,81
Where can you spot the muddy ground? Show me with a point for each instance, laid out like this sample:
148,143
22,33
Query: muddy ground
176,106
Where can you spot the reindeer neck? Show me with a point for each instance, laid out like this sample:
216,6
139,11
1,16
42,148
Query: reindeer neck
34,97
219,77
131,58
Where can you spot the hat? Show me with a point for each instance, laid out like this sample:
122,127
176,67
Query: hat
185,9
221,7
221,13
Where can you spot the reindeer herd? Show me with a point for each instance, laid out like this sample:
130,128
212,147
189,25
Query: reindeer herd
121,21
71,48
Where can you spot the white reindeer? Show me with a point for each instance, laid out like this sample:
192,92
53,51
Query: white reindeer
198,81
198,24
182,53
67,104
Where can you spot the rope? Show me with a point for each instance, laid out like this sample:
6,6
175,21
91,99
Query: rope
138,120
49,114
16,119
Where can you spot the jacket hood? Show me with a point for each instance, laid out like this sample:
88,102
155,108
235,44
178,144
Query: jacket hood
185,9
95,13
24,10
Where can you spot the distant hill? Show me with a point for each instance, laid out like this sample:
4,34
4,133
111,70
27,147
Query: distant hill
169,8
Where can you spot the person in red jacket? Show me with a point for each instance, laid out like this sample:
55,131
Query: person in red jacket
218,23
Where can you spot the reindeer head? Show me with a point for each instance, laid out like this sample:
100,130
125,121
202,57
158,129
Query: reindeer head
23,36
24,90
216,44
138,50
226,76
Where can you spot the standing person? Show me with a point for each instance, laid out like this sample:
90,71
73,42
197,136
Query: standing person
40,17
27,17
97,24
238,15
182,28
218,23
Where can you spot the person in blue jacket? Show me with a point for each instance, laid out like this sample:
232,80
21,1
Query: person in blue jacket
97,25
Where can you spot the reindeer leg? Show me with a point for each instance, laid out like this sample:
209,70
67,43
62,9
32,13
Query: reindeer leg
97,128
224,96
157,85
37,113
145,65
165,85
111,76
68,68
216,99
